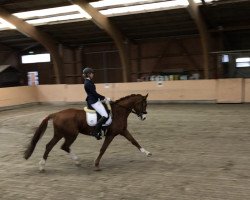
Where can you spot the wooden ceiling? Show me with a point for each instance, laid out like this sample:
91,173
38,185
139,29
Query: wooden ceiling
228,18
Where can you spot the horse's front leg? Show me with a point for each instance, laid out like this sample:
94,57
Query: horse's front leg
107,141
130,138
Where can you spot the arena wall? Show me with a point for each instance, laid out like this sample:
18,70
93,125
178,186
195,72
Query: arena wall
17,95
230,90
246,90
214,91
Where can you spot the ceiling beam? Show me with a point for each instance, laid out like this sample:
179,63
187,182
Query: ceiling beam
194,11
41,37
104,23
230,28
6,47
29,47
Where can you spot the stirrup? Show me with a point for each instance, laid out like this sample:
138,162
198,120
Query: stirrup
97,136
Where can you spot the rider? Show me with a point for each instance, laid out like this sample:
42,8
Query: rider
94,101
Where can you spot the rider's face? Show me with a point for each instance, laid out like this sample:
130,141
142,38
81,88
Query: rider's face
91,75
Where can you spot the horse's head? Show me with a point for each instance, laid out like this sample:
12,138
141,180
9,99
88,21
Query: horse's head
140,107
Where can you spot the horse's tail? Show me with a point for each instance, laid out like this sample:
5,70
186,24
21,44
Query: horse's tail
38,134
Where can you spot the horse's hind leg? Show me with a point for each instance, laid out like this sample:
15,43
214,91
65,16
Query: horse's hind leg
130,138
66,147
49,147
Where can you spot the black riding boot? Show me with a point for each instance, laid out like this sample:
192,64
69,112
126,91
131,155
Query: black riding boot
97,130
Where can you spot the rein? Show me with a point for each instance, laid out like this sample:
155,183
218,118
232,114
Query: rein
132,110
128,109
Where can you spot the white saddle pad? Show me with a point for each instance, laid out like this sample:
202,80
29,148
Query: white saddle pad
91,117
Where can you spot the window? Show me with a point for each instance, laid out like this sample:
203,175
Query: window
37,58
33,78
225,58
243,62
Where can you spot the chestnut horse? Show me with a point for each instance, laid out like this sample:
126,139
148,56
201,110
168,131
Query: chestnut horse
69,123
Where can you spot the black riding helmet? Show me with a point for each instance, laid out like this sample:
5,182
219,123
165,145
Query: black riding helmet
87,71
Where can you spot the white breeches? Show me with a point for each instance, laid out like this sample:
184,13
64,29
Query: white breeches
100,109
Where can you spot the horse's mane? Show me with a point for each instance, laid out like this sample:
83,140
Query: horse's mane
126,97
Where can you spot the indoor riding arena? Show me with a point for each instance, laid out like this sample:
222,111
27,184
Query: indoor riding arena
173,74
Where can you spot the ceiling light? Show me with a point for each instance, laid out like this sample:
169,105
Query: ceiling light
104,3
47,12
5,24
36,58
181,2
145,7
206,1
83,12
54,19
36,16
2,26
245,59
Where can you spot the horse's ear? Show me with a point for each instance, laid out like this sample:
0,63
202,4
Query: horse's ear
146,96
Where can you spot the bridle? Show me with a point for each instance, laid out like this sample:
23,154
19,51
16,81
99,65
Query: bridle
139,114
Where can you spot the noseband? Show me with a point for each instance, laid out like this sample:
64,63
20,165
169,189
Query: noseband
141,110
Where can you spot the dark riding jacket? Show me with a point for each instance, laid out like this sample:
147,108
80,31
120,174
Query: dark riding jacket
92,95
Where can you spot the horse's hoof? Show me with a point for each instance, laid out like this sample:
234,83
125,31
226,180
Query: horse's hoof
97,169
41,170
78,164
149,154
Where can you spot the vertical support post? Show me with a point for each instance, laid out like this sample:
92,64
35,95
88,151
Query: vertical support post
105,74
204,34
138,61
